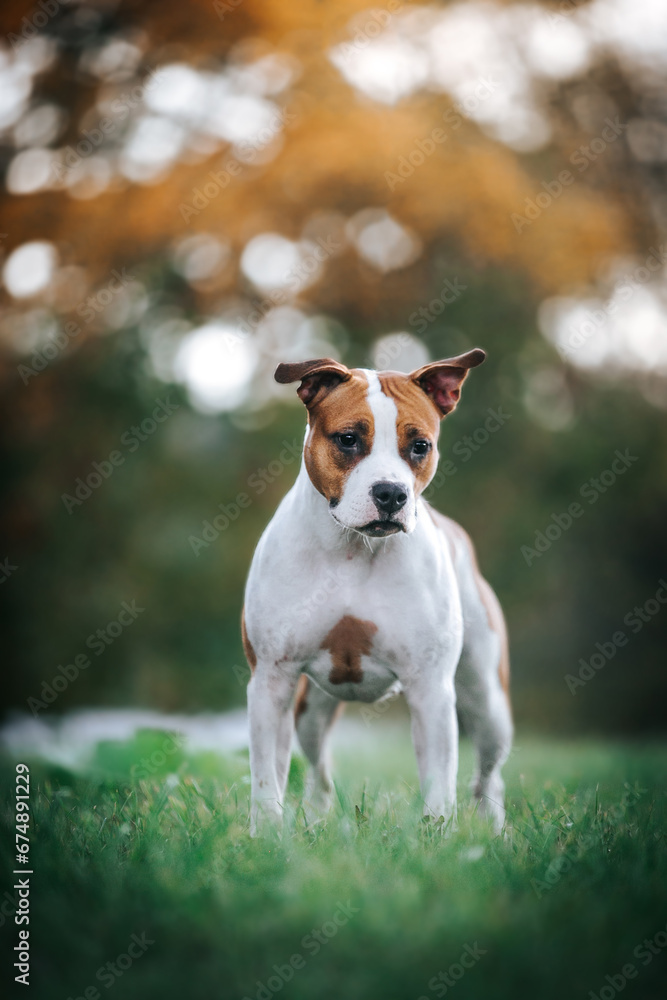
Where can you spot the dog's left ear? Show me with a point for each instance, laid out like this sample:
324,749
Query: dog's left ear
442,380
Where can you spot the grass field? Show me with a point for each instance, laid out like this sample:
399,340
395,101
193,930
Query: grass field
372,903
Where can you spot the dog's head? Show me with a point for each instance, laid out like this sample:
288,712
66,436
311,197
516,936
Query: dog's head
371,446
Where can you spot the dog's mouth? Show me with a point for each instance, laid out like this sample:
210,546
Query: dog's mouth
379,529
374,529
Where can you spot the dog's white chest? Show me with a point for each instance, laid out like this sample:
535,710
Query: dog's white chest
354,620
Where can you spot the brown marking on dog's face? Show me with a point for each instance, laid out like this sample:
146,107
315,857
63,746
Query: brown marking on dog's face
342,411
335,397
418,421
349,640
300,701
341,404
250,654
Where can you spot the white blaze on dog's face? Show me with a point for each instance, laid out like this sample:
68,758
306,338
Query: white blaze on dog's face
371,446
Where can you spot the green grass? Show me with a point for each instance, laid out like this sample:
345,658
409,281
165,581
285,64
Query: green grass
560,902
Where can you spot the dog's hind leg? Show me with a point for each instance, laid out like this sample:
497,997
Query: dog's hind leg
483,703
486,718
482,681
315,712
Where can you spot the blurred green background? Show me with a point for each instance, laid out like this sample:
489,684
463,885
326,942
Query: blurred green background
205,190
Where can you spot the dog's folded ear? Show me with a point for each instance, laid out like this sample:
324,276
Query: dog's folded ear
318,377
442,380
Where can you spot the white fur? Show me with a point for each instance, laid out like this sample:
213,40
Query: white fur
384,463
308,573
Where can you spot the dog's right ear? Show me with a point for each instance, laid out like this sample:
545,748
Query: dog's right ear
317,377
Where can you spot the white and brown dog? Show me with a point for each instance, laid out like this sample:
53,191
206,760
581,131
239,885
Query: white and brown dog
406,607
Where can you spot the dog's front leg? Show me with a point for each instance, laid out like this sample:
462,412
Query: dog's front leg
270,695
435,739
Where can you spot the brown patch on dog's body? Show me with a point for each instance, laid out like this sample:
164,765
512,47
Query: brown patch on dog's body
349,640
250,654
497,624
338,412
494,614
300,701
418,417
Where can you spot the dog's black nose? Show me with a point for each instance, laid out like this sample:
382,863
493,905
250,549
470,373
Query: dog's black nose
389,497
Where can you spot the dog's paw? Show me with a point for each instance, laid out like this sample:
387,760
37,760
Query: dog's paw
266,819
439,826
493,811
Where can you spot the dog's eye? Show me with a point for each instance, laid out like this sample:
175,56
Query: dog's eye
421,447
347,441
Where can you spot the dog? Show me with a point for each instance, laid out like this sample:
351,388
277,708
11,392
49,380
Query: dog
358,588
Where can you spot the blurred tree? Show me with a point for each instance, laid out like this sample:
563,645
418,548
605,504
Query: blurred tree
196,192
